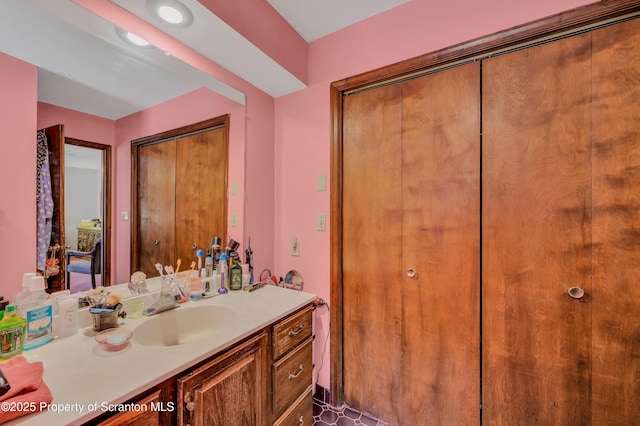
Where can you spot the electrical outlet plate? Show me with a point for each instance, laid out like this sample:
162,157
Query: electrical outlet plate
322,183
234,219
321,222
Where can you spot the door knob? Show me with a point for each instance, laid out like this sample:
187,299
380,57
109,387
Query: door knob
412,273
576,292
156,242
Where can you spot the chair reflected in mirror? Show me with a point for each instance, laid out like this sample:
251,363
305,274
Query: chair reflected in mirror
90,263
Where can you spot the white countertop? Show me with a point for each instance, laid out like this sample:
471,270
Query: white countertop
81,374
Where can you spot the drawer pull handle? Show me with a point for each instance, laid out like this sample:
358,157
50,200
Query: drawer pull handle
301,419
293,376
296,330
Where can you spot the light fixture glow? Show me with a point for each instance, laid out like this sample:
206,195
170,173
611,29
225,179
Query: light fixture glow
137,40
170,14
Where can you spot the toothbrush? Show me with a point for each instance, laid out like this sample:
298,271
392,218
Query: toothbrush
193,266
159,268
178,263
200,254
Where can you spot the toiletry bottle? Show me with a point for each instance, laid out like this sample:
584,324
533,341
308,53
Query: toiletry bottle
236,277
208,267
12,331
3,306
24,293
223,267
67,315
38,311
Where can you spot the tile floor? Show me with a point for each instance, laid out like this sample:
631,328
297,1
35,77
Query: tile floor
325,415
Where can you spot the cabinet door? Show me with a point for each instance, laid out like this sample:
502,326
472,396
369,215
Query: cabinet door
411,202
201,192
230,390
536,234
155,237
616,229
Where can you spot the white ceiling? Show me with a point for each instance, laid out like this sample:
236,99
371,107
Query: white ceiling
85,66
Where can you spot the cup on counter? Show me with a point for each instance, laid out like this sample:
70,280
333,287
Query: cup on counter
196,288
136,307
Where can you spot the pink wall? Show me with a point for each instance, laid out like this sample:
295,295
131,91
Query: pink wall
18,85
302,119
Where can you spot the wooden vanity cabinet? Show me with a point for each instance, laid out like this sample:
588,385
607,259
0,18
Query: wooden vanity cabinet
229,390
263,380
292,369
153,408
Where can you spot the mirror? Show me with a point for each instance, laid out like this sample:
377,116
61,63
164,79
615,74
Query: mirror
87,77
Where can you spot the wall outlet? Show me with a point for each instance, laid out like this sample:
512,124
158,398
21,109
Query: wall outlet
295,246
321,222
124,215
234,219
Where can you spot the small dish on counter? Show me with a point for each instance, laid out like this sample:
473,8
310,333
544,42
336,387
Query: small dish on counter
114,339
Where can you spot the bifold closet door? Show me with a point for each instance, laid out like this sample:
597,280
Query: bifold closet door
156,205
616,224
536,235
411,154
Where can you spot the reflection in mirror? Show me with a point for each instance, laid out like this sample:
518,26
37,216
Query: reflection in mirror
86,206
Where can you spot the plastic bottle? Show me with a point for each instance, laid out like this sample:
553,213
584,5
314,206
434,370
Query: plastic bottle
38,311
223,267
24,293
208,267
68,315
12,333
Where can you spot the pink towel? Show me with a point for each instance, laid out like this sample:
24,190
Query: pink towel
25,379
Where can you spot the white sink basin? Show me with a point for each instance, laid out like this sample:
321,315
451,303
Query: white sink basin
183,325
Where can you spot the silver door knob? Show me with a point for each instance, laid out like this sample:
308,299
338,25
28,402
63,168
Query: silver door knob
576,292
412,273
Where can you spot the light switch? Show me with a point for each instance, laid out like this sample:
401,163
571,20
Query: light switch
124,215
234,188
322,183
321,222
295,246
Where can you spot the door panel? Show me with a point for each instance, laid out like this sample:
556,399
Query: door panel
201,192
536,228
156,206
441,241
616,228
372,267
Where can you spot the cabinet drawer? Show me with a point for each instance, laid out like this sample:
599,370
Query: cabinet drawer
300,413
291,376
291,331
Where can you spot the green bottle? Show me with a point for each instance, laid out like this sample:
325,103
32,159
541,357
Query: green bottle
236,277
12,333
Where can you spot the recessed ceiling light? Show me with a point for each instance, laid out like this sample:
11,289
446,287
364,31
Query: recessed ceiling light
137,40
170,11
132,38
170,14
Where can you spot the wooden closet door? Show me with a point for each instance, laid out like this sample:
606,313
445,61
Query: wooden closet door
156,206
411,201
536,235
616,224
372,241
441,241
201,192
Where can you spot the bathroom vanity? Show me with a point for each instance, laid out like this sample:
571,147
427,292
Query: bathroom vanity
239,358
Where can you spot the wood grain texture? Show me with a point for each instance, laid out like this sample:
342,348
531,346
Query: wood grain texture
441,241
536,231
201,192
155,214
371,262
229,390
616,225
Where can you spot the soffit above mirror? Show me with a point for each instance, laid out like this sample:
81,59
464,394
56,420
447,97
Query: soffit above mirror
85,66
